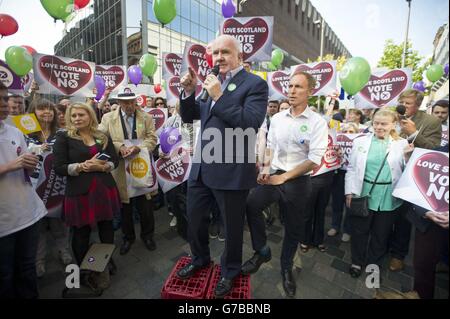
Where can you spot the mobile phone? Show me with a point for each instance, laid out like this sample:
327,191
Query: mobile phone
103,157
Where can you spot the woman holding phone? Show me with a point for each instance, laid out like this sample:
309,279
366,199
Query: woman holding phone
87,156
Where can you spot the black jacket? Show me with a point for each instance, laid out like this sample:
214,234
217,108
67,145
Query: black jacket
68,151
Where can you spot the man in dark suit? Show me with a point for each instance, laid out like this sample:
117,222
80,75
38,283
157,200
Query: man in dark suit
425,131
223,171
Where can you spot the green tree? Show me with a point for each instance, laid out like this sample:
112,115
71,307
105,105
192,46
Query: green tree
392,58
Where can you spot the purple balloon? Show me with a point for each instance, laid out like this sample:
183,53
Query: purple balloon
100,86
169,137
135,74
419,86
446,69
228,8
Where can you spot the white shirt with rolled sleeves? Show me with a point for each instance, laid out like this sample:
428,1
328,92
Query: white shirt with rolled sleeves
297,139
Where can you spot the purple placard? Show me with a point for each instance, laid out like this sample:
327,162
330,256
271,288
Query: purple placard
11,80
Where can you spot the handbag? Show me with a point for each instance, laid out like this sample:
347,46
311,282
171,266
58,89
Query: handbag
139,169
359,206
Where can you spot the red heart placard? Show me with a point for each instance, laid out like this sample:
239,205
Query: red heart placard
381,90
280,82
197,61
174,169
430,173
113,76
322,72
173,63
158,117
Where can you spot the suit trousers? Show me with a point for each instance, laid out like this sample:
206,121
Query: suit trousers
400,237
294,194
231,203
370,236
147,218
427,254
317,204
338,202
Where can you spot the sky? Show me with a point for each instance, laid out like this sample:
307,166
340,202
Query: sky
362,25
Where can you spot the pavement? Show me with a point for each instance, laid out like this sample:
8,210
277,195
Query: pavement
323,275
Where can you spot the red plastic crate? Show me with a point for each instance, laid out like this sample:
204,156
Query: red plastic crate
192,288
241,286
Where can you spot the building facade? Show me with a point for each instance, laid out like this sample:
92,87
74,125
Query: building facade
439,90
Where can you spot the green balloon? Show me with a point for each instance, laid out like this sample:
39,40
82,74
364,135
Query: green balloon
148,64
354,75
435,72
165,10
58,9
19,60
277,57
271,67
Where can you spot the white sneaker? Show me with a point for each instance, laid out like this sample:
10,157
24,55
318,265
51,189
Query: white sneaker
346,237
40,270
173,222
332,232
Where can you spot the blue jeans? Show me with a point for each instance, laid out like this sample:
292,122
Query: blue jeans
338,202
18,264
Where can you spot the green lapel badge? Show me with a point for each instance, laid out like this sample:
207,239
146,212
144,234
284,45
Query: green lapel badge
303,128
231,87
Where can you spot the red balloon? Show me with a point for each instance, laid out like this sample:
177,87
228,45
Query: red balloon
8,25
157,88
29,49
79,4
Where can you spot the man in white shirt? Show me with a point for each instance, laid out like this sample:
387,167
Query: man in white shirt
20,210
297,141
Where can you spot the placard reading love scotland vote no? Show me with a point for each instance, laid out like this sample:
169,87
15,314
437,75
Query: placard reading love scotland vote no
194,57
115,76
345,142
63,76
171,65
50,187
384,88
255,35
174,170
278,82
325,74
331,160
425,180
159,118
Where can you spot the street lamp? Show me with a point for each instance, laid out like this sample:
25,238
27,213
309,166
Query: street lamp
405,47
321,24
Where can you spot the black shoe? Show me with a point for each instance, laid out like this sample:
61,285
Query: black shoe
223,287
126,246
188,271
289,285
252,265
150,244
354,272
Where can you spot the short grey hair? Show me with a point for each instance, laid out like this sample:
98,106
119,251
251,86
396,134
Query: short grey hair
234,40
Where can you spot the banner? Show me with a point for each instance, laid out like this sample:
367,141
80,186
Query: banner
175,170
444,139
255,35
345,141
174,90
384,88
325,74
12,81
159,118
331,160
63,76
114,75
425,180
278,82
171,65
49,186
27,123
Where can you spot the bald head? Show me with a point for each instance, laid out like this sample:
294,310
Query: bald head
227,53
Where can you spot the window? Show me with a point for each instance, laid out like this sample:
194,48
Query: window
203,34
211,25
195,12
185,9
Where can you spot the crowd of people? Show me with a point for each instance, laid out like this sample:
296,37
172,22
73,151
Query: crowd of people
91,142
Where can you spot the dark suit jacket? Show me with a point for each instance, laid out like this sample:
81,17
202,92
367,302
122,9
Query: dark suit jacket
67,151
241,108
431,134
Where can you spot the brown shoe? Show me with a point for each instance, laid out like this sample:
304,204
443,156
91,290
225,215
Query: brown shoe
396,264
